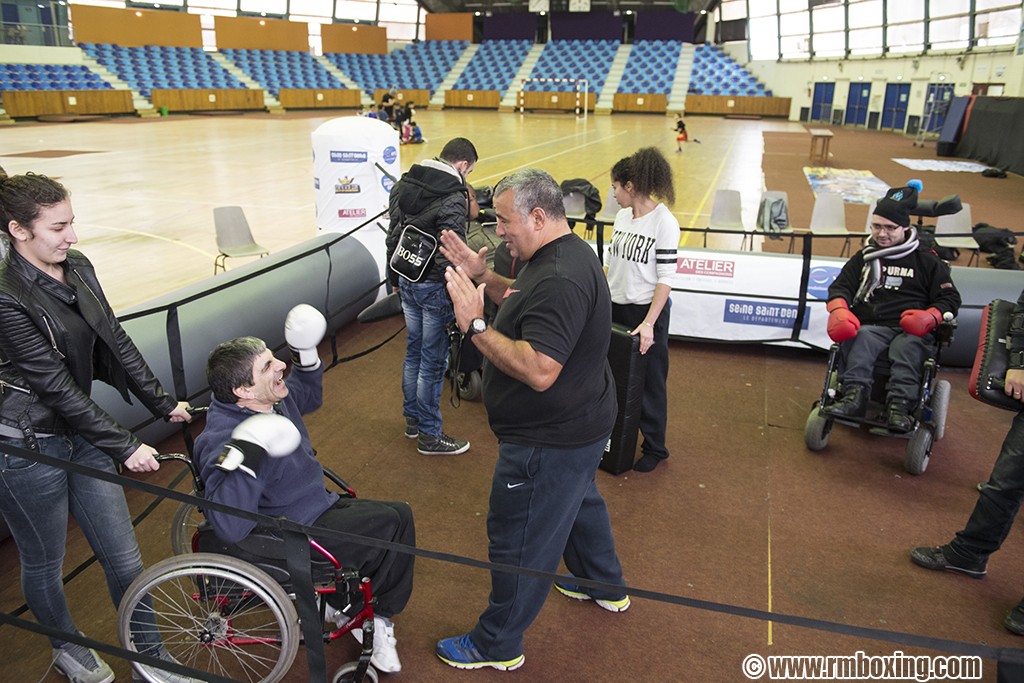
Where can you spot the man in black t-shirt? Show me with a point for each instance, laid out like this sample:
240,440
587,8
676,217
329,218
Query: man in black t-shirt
550,399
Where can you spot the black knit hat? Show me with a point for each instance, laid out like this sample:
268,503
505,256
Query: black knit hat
897,204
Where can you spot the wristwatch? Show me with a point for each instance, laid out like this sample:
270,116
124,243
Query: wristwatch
477,326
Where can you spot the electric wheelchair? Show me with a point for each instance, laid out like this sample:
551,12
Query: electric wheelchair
928,412
229,608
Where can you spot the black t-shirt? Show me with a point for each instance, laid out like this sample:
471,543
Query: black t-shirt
559,304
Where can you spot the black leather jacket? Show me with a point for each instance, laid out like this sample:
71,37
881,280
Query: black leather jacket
55,339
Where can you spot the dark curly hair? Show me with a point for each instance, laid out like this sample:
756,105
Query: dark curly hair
23,197
650,173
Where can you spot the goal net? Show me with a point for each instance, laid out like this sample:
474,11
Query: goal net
579,87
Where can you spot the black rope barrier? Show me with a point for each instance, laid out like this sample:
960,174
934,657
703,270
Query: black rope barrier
1011,657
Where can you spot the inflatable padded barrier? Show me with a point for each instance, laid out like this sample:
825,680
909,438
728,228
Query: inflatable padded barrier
337,276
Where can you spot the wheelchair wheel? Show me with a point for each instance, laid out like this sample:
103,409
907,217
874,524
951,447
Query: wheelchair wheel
817,429
187,519
940,407
919,450
469,385
214,613
346,674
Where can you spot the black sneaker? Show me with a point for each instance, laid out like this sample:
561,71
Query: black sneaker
1014,621
412,428
441,445
898,417
944,558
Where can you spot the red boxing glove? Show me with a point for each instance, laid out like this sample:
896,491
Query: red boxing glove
919,323
842,323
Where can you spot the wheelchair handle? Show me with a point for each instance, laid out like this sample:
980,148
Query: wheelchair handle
197,483
193,411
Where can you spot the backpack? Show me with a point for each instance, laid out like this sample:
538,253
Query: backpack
991,239
773,217
928,243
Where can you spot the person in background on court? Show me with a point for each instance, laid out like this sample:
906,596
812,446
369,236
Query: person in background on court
248,380
889,297
411,133
372,112
999,499
404,113
429,198
58,334
550,399
641,264
681,135
387,105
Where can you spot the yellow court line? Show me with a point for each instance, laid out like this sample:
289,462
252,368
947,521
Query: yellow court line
711,188
769,577
550,156
177,242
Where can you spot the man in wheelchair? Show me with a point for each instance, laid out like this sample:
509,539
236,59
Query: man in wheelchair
890,296
247,380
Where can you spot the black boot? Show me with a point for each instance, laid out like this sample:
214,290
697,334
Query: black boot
897,416
853,403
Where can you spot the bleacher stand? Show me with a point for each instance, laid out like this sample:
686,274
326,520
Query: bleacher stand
277,69
50,77
651,67
420,66
584,59
494,65
716,73
159,67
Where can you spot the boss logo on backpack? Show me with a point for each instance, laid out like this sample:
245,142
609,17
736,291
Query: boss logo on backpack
414,254
409,256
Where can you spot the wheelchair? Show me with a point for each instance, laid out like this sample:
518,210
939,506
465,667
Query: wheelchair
929,411
229,608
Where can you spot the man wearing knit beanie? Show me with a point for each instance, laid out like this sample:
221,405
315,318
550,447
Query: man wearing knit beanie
889,297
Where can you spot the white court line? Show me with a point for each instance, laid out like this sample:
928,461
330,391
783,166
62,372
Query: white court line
502,174
201,202
177,242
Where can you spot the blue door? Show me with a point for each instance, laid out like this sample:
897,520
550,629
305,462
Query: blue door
857,104
821,104
939,96
894,110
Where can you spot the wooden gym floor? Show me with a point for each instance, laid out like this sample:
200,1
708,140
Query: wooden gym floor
742,514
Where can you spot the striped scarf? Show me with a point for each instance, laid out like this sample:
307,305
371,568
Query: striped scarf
871,274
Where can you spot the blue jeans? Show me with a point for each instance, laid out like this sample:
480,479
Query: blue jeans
544,506
998,501
428,310
35,500
906,352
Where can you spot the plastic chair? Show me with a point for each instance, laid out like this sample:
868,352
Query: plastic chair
829,218
959,222
234,238
726,214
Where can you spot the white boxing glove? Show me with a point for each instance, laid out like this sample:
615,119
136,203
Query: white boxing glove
303,329
254,439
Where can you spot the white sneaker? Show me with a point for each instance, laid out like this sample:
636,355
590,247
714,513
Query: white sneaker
143,674
385,653
81,664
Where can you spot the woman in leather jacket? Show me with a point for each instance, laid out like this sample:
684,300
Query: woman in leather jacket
58,334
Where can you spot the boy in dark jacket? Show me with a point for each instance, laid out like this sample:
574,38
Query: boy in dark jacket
890,296
248,380
430,197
